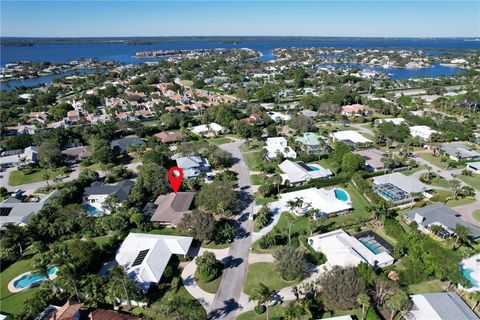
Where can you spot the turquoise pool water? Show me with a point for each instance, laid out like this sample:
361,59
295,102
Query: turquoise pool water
91,210
467,273
30,279
314,168
372,247
341,195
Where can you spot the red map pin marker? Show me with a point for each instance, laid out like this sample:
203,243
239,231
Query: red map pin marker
175,175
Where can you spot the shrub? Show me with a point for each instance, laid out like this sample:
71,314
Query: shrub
208,268
259,309
290,263
313,256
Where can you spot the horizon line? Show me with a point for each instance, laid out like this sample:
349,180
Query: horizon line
243,36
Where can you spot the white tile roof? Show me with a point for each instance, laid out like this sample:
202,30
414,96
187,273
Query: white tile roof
351,135
313,198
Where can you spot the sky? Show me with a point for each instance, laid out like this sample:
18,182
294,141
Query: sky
380,18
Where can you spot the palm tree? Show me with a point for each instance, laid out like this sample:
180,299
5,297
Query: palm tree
462,234
42,264
398,302
437,229
277,181
262,295
69,275
117,276
364,300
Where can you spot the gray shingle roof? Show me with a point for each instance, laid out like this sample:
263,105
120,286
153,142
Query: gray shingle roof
121,189
443,214
124,143
450,306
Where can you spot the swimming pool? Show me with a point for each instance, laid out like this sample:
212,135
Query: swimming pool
91,210
341,194
28,280
314,168
467,273
375,248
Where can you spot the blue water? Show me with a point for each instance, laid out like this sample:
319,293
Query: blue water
29,279
341,195
467,274
124,53
434,71
370,246
314,168
91,210
12,84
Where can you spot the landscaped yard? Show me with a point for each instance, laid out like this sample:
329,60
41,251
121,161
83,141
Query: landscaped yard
219,140
460,202
273,312
267,274
413,170
253,159
12,303
473,181
257,179
210,287
21,177
434,160
426,287
262,201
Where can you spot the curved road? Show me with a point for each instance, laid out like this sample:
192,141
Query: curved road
227,300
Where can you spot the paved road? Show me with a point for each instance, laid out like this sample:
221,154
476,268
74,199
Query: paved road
227,300
465,211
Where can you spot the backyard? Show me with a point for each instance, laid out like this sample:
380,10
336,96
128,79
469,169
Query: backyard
267,274
20,177
472,181
219,140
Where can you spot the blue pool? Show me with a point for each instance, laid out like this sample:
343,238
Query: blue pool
341,194
31,279
467,273
371,246
91,210
314,168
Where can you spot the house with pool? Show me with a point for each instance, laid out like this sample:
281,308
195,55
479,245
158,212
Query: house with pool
95,196
342,249
299,172
399,188
321,202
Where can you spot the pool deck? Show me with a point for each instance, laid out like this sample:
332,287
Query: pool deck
472,264
12,288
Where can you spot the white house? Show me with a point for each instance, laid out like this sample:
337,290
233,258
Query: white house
145,256
343,250
278,145
395,121
208,129
193,166
423,132
278,117
349,137
322,200
15,157
298,172
96,195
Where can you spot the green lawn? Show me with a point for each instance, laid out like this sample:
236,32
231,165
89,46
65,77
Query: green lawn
476,214
275,311
210,287
473,181
20,177
460,202
12,303
267,274
440,182
426,287
257,179
359,204
253,160
262,201
434,160
219,140
186,83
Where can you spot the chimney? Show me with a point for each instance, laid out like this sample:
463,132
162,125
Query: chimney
418,218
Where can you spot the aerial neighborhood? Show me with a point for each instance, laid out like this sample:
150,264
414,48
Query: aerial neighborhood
312,187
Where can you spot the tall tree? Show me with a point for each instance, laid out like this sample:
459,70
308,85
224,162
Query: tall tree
262,295
398,302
